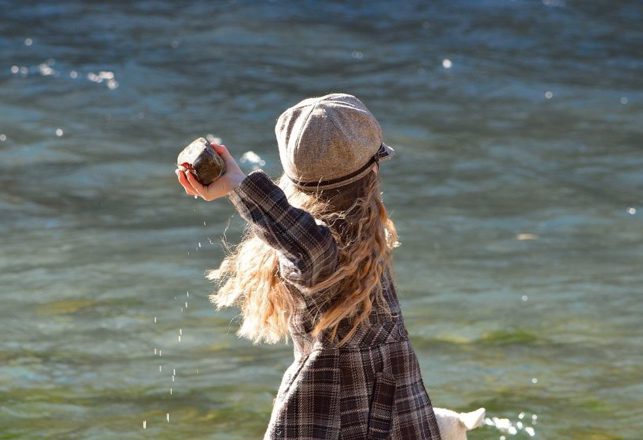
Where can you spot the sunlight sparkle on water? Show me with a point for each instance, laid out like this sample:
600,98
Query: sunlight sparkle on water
534,380
15,69
3,137
28,41
167,417
549,94
104,76
447,63
46,70
631,211
253,159
506,426
144,424
59,132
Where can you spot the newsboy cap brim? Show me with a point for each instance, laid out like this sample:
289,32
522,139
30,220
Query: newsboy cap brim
385,152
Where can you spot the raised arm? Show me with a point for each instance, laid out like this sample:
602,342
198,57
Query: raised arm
307,249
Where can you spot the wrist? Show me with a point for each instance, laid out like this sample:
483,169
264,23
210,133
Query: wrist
236,180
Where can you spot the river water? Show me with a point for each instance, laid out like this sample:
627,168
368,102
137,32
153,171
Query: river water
516,191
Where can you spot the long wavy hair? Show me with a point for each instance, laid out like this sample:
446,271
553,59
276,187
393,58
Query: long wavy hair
248,277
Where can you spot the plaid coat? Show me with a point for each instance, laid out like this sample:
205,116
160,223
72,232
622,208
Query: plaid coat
370,388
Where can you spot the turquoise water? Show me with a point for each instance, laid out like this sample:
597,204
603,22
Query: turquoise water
516,191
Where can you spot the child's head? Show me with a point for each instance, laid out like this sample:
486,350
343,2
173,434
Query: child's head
330,148
329,142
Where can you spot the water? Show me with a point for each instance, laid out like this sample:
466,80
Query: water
516,191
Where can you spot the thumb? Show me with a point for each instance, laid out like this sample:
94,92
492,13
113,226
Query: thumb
222,150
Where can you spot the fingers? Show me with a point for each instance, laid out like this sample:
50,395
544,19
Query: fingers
187,186
195,184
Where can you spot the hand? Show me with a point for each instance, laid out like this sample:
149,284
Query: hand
220,187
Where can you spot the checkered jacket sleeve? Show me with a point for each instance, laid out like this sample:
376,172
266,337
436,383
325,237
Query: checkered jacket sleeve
307,250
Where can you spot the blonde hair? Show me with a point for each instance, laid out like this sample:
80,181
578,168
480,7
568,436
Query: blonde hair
365,236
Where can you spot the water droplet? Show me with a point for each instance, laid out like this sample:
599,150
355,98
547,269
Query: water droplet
73,74
549,94
144,424
519,425
155,352
160,368
624,100
24,70
160,353
524,298
199,244
521,415
155,320
534,380
631,211
204,224
357,55
502,437
28,41
187,294
170,391
3,137
172,378
186,304
534,417
180,331
15,69
447,63
196,197
179,338
167,417
173,371
59,132
530,431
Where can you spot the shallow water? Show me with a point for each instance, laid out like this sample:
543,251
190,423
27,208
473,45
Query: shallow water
516,192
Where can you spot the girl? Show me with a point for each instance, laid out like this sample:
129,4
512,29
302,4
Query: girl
315,265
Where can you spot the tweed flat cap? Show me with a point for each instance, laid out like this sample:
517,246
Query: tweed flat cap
329,141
